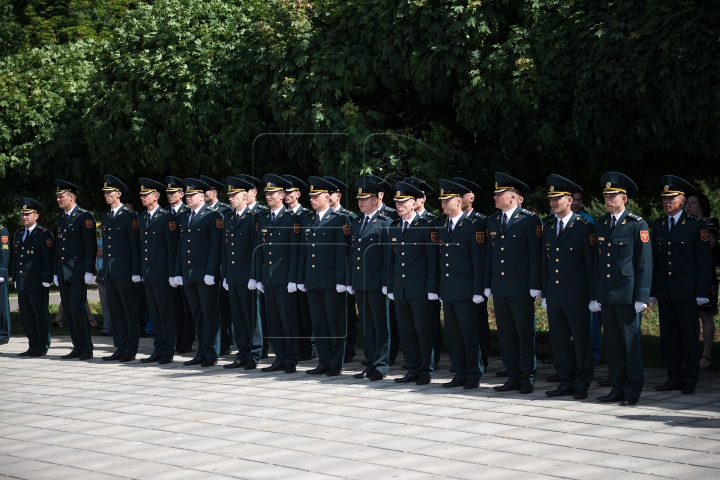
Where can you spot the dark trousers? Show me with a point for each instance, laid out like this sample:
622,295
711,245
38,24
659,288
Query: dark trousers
351,321
372,313
327,309
306,344
73,296
394,335
679,333
515,318
122,303
484,335
246,323
226,321
142,306
4,314
184,324
462,339
436,329
282,318
622,344
35,319
260,300
162,312
572,350
414,326
203,300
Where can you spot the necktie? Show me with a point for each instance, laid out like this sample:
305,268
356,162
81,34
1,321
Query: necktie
612,223
672,223
25,234
367,219
272,217
147,220
192,215
405,227
450,225
112,214
317,220
504,221
560,230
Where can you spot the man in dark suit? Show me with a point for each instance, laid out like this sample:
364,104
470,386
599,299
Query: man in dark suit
412,281
197,268
512,279
237,268
159,236
568,285
184,324
682,269
367,277
623,276
75,250
34,248
121,268
276,260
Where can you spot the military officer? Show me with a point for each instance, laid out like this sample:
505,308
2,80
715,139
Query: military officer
184,325
226,322
568,286
623,276
197,268
682,267
366,278
75,250
34,248
336,194
512,277
462,263
158,243
324,242
240,240
306,343
412,281
4,303
276,260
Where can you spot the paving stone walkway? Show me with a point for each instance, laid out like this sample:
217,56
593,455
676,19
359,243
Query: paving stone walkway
66,419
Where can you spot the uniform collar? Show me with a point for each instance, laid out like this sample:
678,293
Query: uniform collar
151,213
320,215
277,210
116,210
456,219
676,216
565,219
240,213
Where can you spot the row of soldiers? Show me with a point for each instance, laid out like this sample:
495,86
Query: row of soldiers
253,270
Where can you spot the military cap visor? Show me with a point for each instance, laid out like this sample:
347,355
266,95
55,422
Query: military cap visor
148,185
320,185
294,184
212,183
561,186
405,191
174,184
616,182
193,186
339,186
63,186
380,182
450,189
257,183
29,205
274,183
236,185
504,182
426,189
673,186
114,184
367,189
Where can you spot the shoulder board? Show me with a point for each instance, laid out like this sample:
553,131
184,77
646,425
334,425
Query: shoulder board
528,212
495,215
430,214
163,210
426,219
548,219
580,218
479,215
81,210
634,217
382,217
693,217
396,223
607,215
20,230
471,219
262,207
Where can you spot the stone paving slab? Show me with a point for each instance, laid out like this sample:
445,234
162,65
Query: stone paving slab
94,420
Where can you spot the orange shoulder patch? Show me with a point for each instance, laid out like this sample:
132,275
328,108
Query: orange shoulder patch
644,236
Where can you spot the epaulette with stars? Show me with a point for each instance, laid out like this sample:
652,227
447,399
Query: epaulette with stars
495,215
637,218
529,213
81,210
693,217
580,218
548,219
383,217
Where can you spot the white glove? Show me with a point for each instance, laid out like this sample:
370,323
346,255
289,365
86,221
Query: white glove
46,285
260,287
487,293
225,285
55,280
702,301
654,300
301,287
339,288
544,304
88,278
433,296
350,290
2,280
535,293
136,279
252,284
179,281
292,287
391,296
209,280
384,289
171,281
594,306
478,299
15,285
639,307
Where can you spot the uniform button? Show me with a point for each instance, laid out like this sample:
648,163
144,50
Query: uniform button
502,236
669,253
609,244
269,263
313,234
403,275
608,264
232,244
314,245
233,262
403,253
502,248
402,243
669,243
669,273
446,254
502,261
63,248
313,255
232,253
358,268
557,260
109,255
188,251
269,253
358,258
557,281
608,254
502,273
358,249
313,266
669,263
146,259
146,249
447,274
608,275
557,249
557,271
62,258
447,264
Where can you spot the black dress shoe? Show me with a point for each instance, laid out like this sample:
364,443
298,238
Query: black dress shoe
165,359
668,387
409,377
250,365
85,356
360,375
38,353
376,375
507,387
349,358
454,383
184,349
605,383
236,364
501,373
525,388
423,380
128,357
274,368
114,356
629,400
560,392
305,358
334,371
319,370
364,362
611,397
226,352
553,378
209,362
264,356
290,369
194,361
26,353
471,384
580,394
152,358
73,354
687,390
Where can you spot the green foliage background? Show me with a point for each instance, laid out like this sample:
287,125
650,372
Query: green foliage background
408,87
